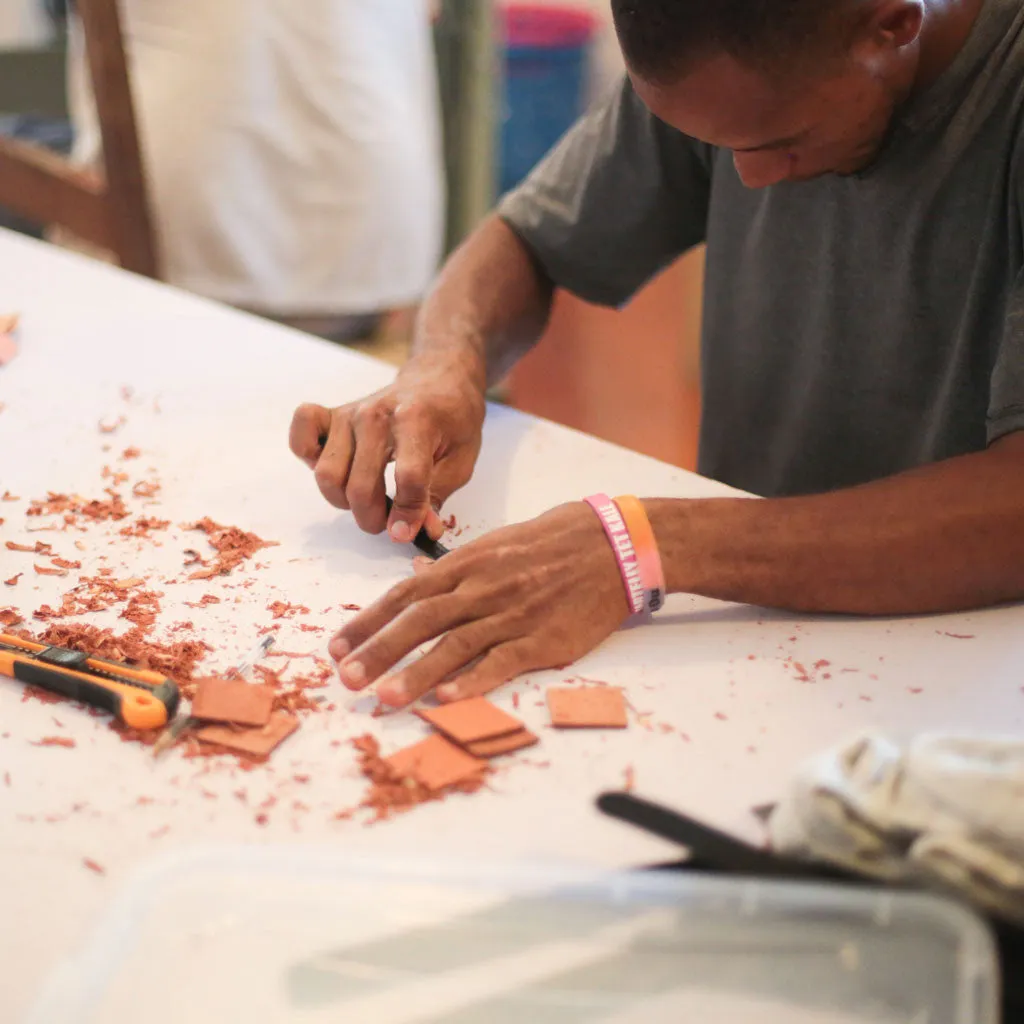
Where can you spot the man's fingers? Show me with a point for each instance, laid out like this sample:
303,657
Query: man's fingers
335,462
434,525
451,654
365,489
419,623
352,642
499,665
309,424
414,465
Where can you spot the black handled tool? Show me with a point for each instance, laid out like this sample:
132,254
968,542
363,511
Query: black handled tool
431,548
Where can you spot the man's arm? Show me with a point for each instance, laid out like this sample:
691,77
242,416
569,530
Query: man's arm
543,593
489,306
944,537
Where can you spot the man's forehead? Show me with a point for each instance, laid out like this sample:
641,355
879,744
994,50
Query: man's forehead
728,104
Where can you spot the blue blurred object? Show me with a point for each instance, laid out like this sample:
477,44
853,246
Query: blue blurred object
546,61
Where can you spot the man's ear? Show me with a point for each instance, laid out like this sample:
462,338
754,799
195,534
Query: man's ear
886,26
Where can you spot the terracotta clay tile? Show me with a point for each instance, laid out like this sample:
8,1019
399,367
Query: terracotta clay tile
468,721
255,742
232,700
587,707
435,763
502,744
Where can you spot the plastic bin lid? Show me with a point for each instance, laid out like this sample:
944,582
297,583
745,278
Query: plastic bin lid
267,935
547,25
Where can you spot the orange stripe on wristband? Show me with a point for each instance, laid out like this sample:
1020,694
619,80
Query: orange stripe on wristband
646,547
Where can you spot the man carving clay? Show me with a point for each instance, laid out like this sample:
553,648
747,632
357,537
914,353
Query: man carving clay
855,167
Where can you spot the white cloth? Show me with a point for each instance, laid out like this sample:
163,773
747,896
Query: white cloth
293,147
941,809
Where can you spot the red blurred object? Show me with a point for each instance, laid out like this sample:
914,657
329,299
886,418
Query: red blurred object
547,25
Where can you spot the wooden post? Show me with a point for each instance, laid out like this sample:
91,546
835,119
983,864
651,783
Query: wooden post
131,221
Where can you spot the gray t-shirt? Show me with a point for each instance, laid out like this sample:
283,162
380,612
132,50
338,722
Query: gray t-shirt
853,326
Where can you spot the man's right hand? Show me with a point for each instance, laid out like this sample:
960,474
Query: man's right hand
429,422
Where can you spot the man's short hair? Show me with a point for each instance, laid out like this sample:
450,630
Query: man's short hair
663,39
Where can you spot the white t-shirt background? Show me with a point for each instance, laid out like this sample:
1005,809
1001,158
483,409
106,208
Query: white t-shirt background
293,148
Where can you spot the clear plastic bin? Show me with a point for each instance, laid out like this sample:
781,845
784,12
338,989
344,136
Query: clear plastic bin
267,935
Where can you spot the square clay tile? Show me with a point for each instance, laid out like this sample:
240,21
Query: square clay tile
502,744
587,707
254,742
232,700
435,763
467,721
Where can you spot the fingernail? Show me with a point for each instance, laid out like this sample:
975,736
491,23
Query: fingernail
393,692
400,531
352,673
339,648
449,691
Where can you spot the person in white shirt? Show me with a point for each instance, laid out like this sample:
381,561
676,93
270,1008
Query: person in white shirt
293,150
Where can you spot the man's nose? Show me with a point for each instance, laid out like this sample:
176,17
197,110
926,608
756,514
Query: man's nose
761,169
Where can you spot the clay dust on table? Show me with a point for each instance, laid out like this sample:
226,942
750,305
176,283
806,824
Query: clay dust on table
232,546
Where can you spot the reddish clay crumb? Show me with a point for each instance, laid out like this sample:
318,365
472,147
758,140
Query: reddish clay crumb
515,701
10,617
93,866
144,526
352,607
721,717
629,779
39,548
916,689
7,778
7,496
54,741
71,508
13,581
143,609
262,819
146,489
130,453
866,698
47,570
232,545
284,610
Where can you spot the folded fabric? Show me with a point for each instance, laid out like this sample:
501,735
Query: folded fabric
940,810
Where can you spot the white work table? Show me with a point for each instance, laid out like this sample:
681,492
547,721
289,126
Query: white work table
720,718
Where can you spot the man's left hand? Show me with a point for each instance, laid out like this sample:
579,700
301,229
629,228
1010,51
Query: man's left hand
536,595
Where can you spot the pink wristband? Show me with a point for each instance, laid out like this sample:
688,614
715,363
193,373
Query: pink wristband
618,536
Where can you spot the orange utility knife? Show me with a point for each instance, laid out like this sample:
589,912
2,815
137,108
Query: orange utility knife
143,700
